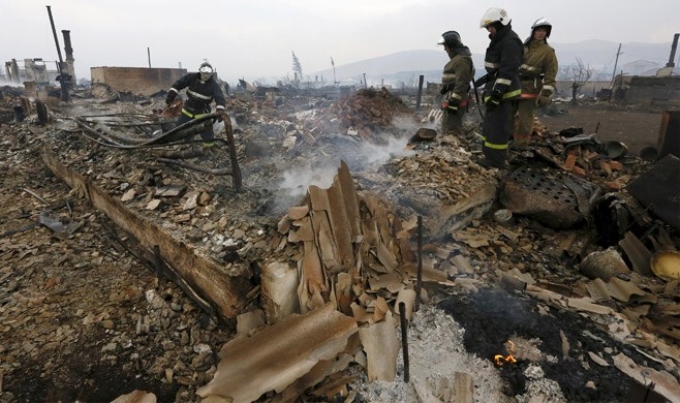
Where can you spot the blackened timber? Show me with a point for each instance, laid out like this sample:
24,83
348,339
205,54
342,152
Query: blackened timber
162,269
224,289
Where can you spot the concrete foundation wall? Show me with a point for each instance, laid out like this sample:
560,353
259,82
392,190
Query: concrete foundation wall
653,90
137,80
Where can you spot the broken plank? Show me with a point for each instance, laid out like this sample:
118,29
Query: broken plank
464,388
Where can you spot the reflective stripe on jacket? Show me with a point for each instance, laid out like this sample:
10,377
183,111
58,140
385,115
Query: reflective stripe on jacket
539,70
502,61
200,94
457,75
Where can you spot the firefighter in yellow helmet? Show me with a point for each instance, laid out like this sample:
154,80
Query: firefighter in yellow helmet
537,78
501,86
456,77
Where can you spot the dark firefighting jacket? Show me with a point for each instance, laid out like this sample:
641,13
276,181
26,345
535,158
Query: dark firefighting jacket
502,61
200,94
537,73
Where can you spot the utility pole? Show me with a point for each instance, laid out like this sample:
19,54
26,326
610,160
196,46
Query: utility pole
618,53
64,80
333,64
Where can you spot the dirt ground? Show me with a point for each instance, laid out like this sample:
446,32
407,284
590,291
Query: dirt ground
635,128
84,318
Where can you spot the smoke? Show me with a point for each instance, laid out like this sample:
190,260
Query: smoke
361,157
372,154
5,83
296,181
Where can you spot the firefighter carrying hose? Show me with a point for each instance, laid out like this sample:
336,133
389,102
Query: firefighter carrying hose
501,89
456,77
537,78
202,90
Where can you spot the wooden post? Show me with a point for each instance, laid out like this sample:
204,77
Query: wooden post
421,80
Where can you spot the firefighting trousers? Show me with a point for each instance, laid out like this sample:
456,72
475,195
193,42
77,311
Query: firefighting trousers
452,123
498,128
207,135
526,109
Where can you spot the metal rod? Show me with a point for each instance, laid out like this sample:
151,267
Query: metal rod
674,47
419,280
63,80
650,388
56,39
157,261
148,54
404,339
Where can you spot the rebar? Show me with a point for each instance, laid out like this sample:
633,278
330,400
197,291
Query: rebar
419,278
404,339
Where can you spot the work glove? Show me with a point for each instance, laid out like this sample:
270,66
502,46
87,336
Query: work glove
544,98
220,113
170,97
445,88
494,100
481,81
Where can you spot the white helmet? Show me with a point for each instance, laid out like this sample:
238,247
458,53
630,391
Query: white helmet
494,14
206,71
542,22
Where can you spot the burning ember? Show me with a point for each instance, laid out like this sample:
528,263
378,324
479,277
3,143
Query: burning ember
501,360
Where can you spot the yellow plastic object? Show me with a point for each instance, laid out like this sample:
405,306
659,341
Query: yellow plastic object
666,265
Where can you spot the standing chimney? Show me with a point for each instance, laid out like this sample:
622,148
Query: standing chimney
70,68
674,47
14,71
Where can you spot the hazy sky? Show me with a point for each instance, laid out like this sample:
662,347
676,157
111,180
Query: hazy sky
254,38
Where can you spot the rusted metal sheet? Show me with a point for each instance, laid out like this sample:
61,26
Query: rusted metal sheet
558,203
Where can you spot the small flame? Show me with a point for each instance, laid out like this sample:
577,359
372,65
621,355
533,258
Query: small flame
501,360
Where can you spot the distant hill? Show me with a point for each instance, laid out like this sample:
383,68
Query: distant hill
394,68
403,68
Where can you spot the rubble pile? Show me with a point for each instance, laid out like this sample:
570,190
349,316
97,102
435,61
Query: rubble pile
368,112
309,283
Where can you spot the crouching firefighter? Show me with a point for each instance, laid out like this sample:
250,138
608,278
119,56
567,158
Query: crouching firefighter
501,86
202,90
456,77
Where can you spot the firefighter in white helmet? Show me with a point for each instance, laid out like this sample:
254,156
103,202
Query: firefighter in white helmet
202,90
501,86
456,77
537,77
